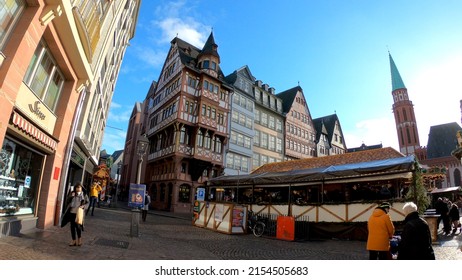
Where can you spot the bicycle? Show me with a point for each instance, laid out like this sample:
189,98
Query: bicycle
255,224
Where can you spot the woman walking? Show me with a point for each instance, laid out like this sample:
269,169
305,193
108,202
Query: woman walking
75,201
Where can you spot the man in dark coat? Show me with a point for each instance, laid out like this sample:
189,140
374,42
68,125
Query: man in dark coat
443,210
416,240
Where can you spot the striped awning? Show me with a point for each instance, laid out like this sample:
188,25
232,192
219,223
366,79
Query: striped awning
33,131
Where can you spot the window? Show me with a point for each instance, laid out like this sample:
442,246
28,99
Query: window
221,118
184,136
200,139
183,167
264,119
256,139
184,194
44,77
217,144
205,64
279,125
9,14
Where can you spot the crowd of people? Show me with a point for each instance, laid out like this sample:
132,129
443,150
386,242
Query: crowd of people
449,214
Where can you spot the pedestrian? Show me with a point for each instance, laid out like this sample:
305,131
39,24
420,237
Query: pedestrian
95,189
455,217
381,230
443,210
416,240
75,201
147,201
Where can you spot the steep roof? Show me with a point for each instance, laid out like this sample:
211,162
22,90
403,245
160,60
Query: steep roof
329,124
210,47
442,140
334,160
288,97
116,154
396,80
189,53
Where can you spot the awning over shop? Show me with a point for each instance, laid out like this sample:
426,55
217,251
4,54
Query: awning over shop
389,168
33,131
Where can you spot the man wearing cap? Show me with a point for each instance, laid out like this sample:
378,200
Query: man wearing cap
416,240
381,230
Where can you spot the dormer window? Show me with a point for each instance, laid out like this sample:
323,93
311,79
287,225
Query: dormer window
205,64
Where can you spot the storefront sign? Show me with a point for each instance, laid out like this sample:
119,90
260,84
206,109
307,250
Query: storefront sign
35,109
136,195
27,182
200,194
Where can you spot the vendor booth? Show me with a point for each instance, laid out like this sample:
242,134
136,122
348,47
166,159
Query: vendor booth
337,200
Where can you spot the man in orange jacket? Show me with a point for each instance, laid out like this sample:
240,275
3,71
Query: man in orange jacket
381,230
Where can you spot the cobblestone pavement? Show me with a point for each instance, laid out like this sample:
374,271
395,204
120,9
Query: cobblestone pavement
164,237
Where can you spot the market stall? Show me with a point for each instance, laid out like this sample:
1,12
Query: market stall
340,195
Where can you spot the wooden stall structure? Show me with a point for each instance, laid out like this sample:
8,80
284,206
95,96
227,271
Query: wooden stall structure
335,193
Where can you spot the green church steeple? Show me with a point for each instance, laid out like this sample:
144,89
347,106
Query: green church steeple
396,80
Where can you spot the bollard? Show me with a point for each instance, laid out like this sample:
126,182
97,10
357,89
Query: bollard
135,223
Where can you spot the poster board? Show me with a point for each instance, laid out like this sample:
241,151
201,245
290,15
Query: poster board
136,195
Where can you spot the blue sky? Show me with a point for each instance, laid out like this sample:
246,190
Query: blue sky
336,50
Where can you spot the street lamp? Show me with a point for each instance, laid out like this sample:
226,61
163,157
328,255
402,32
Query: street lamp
141,149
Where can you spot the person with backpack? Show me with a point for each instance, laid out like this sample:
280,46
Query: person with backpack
144,211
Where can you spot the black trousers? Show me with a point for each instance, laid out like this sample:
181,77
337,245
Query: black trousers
144,213
379,255
76,229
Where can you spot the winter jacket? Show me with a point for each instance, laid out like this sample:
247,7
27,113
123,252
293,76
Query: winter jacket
416,241
381,230
454,213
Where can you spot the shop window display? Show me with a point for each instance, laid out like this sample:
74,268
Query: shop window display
19,176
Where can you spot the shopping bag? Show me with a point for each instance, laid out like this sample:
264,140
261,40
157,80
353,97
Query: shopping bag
79,216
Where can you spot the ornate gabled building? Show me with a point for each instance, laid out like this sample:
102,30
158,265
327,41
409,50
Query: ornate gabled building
403,110
187,126
238,156
300,134
268,143
329,136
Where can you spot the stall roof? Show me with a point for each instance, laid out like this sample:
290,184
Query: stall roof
376,168
449,189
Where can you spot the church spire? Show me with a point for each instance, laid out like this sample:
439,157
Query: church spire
403,109
210,47
396,80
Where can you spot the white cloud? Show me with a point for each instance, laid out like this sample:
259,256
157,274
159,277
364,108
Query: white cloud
149,56
436,92
187,29
373,132
114,140
120,116
115,105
